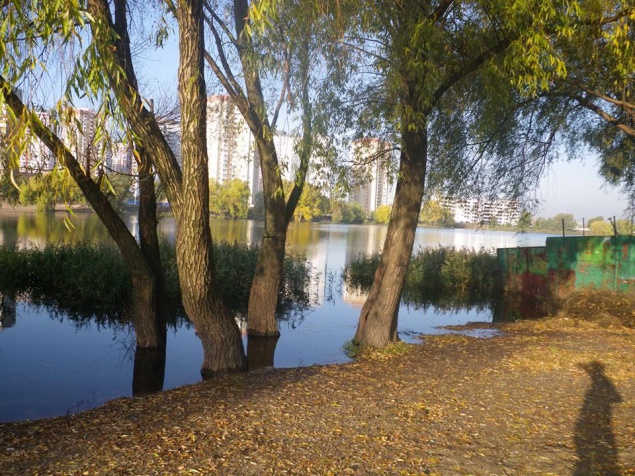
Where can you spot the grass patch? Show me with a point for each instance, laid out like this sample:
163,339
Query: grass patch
393,349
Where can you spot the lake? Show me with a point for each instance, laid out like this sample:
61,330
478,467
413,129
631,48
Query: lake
51,365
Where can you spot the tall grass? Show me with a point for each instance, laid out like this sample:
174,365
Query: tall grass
87,278
92,279
445,277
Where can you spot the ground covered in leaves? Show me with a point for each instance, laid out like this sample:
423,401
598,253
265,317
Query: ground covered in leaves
548,397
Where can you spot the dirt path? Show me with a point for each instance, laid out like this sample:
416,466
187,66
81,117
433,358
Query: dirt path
553,397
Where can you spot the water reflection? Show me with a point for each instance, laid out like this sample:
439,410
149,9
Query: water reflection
7,310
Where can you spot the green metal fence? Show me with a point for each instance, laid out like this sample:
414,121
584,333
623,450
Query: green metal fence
576,261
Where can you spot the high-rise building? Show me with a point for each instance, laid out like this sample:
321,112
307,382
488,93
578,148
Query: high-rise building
230,145
374,187
172,132
37,156
121,158
79,138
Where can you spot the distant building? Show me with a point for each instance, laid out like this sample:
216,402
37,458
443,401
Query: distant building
36,156
374,186
474,210
172,132
122,157
230,145
288,158
79,138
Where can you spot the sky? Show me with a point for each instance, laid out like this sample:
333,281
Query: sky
575,187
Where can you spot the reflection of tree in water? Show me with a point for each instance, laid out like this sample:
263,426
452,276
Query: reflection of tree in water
7,310
594,439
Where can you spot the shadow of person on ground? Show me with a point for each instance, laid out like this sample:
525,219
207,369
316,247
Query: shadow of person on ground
594,440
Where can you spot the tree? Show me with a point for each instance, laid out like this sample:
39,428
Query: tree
594,219
105,71
382,214
347,212
555,223
289,51
229,199
37,29
235,196
434,213
601,227
437,66
149,325
47,189
311,203
598,94
525,221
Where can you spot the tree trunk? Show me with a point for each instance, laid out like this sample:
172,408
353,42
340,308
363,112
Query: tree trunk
378,319
261,351
148,373
216,327
263,297
149,243
187,189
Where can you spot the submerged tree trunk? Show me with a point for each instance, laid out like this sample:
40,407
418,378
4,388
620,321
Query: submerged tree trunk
216,327
378,319
148,373
261,351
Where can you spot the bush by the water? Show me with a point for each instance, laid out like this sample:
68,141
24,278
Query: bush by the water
92,279
443,276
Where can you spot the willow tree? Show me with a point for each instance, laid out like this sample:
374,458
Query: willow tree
186,187
421,64
276,47
598,94
36,32
104,71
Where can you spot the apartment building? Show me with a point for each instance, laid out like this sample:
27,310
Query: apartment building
374,187
474,210
230,146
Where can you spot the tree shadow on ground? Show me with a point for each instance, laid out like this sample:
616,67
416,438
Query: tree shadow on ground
594,440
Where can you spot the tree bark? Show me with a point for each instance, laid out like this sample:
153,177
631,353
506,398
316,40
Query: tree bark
149,242
378,319
219,332
263,297
148,373
261,351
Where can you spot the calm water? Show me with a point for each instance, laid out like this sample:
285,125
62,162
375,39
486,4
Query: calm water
51,366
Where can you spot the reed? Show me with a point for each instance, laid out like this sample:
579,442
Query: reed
92,279
445,277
